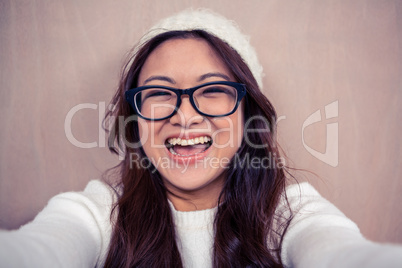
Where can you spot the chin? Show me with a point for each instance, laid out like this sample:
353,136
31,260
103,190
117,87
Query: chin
191,180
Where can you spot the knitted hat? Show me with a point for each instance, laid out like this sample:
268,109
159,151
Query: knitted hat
216,25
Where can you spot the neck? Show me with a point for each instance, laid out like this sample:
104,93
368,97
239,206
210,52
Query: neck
181,204
191,201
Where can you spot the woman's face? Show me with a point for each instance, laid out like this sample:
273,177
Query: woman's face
192,170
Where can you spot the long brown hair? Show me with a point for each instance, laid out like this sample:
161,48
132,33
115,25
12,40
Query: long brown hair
246,230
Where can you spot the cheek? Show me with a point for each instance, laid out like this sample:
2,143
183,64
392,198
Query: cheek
150,136
229,132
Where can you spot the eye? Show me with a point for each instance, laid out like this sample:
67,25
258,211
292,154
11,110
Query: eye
217,91
156,94
212,90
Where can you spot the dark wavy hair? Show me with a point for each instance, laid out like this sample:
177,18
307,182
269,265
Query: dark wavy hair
247,229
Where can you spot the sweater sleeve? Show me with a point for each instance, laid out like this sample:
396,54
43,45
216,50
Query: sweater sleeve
73,230
320,235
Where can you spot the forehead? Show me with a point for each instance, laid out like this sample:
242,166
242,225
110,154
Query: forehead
183,60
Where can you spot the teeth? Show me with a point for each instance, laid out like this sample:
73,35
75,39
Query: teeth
184,142
173,152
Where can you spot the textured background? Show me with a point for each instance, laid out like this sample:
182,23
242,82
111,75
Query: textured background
57,54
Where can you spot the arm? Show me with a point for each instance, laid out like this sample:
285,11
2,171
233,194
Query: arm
322,236
73,230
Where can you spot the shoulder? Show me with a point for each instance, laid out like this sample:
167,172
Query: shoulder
320,235
308,205
86,213
309,208
96,199
74,229
313,220
302,191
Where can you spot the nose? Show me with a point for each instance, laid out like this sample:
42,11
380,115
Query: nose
186,115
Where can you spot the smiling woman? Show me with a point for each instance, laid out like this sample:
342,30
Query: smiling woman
194,188
188,88
175,59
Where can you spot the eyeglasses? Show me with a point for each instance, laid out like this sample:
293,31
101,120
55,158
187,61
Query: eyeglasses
214,99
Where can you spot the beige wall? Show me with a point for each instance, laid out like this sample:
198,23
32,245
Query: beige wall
57,54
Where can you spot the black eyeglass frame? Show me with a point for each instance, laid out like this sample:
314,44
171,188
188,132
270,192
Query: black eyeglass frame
240,88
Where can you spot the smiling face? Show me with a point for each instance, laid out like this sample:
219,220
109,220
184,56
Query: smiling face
190,151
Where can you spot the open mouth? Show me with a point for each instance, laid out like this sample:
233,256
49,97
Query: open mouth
188,147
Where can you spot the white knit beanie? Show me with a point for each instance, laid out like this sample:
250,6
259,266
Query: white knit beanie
216,25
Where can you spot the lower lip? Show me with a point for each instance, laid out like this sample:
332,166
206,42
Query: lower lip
188,159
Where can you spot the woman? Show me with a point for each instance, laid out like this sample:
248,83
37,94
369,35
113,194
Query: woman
195,188
197,135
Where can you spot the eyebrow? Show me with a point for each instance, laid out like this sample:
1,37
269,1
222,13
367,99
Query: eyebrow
160,78
170,80
208,75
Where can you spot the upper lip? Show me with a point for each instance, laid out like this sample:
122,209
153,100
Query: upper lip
188,136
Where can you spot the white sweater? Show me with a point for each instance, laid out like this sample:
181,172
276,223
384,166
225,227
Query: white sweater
74,230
